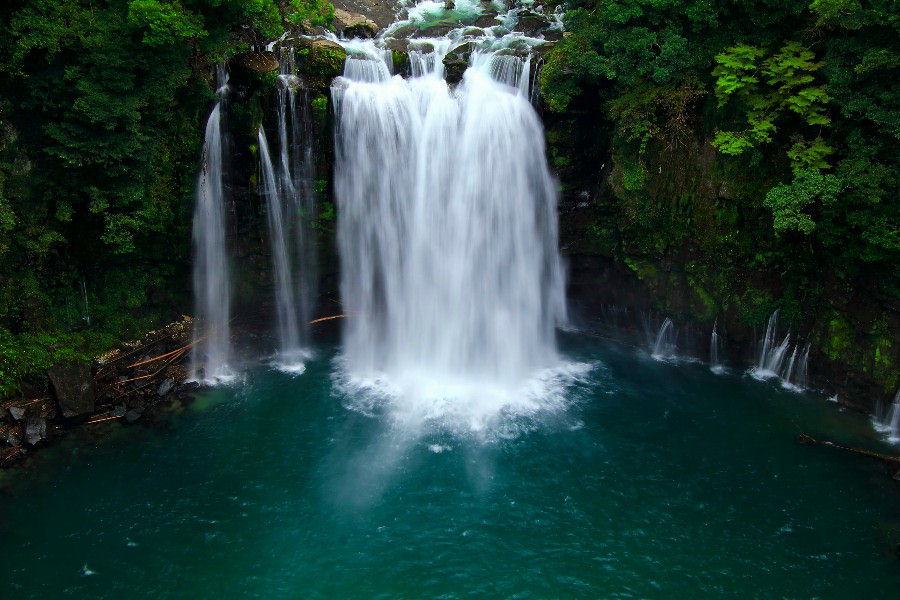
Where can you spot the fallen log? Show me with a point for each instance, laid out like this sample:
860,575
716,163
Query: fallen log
805,439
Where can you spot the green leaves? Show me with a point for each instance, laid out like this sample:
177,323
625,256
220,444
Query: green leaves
165,21
789,202
737,71
764,89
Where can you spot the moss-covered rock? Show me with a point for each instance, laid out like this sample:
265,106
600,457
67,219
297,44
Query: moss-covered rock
318,61
457,61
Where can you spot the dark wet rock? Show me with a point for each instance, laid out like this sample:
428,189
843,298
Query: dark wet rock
407,31
14,436
17,413
435,31
73,386
449,4
119,411
531,23
35,429
133,415
190,386
397,44
352,25
165,387
257,62
457,61
488,19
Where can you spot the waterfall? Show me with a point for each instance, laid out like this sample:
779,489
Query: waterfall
212,287
714,363
298,174
781,360
447,230
287,190
285,305
771,356
888,420
87,307
664,346
801,376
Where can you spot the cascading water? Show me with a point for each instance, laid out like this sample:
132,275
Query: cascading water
777,360
296,175
285,306
887,420
447,235
664,347
715,365
211,351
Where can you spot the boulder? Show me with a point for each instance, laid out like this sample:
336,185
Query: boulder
531,23
457,61
17,413
257,62
73,386
133,415
35,429
354,25
14,436
406,31
488,19
165,387
318,61
435,31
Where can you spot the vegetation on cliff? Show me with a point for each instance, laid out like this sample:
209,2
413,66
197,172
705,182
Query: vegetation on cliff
100,133
751,156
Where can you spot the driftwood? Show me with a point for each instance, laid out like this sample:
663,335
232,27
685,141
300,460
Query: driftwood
326,319
890,458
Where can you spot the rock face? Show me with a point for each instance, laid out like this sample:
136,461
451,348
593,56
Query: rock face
353,24
73,386
258,62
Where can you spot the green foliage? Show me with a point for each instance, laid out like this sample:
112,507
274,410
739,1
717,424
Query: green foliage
754,146
789,202
766,89
316,12
165,22
100,132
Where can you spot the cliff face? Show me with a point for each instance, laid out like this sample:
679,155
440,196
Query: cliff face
677,234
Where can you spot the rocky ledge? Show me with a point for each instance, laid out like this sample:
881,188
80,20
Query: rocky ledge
131,383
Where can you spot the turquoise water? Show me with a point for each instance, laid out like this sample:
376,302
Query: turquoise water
651,480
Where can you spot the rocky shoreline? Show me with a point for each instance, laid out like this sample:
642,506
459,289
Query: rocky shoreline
134,382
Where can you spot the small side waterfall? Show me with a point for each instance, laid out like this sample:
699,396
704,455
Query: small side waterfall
296,175
212,285
715,365
664,347
87,308
285,309
887,419
780,360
